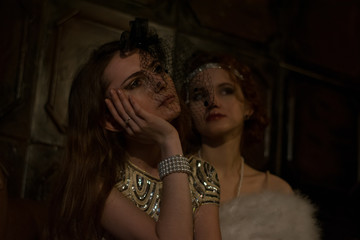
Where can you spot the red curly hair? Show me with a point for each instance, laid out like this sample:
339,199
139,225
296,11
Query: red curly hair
255,125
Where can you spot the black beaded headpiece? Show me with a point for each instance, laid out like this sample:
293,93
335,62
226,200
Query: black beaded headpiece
146,40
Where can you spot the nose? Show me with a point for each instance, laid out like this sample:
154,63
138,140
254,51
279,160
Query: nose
159,84
212,102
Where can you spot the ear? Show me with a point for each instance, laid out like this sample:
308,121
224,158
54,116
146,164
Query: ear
112,125
249,111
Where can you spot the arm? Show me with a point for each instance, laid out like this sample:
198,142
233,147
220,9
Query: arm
207,223
207,226
175,221
120,215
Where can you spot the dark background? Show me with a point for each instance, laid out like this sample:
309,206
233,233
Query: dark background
305,52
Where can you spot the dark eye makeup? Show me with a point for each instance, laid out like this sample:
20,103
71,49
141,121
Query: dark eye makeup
198,94
139,78
227,90
158,69
136,82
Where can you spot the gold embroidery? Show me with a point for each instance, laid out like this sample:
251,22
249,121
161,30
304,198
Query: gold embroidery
145,190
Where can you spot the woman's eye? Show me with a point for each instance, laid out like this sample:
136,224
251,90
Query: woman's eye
134,83
158,69
227,91
197,97
198,94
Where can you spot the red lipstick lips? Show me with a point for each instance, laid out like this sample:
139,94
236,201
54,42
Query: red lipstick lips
167,100
214,117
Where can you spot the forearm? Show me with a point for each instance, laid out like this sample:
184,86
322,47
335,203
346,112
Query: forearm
206,223
176,219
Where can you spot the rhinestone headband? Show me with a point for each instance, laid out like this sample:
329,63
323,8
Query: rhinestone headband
213,66
209,66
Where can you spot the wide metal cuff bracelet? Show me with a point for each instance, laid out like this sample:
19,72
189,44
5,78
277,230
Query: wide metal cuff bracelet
174,164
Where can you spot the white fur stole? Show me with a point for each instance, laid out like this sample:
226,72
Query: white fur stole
269,215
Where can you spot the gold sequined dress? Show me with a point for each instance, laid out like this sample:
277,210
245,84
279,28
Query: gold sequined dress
145,190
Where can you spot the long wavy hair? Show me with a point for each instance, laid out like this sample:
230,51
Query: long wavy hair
94,156
91,152
255,125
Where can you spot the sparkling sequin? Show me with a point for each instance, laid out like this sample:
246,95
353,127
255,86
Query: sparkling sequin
145,190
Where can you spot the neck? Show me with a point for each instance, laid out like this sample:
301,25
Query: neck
225,156
227,159
145,156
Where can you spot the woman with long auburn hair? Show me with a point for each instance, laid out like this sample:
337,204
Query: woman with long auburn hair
124,159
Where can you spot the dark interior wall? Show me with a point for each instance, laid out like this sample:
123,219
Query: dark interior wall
306,52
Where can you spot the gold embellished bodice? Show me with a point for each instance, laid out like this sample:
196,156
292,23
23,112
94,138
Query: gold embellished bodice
145,190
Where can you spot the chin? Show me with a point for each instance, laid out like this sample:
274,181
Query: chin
215,132
172,111
171,115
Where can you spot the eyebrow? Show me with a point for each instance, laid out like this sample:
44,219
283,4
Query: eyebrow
133,75
154,61
226,84
140,72
200,88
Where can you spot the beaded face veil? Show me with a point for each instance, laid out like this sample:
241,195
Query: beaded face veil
199,92
198,85
199,89
155,60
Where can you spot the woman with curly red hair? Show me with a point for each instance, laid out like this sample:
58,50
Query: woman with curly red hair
226,110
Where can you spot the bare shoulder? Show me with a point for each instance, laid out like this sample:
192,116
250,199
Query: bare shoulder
277,184
256,181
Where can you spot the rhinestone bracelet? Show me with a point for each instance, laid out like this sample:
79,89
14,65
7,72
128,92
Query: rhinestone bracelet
173,164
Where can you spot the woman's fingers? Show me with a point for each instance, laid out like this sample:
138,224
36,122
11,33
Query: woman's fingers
117,110
116,116
126,104
118,105
144,115
133,120
114,112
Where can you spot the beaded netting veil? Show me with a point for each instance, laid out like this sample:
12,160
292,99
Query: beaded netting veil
198,90
155,58
197,84
187,68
